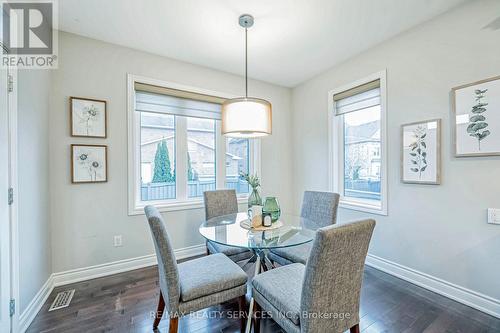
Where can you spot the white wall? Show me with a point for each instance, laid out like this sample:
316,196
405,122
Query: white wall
86,216
438,230
35,254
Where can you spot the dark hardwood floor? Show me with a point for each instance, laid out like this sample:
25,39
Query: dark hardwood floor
124,303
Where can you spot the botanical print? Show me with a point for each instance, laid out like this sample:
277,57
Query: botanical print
477,121
418,151
89,163
421,155
88,117
476,109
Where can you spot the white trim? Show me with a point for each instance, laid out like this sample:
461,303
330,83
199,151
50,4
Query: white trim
97,271
335,156
165,206
7,134
120,266
36,304
460,294
93,272
190,251
135,206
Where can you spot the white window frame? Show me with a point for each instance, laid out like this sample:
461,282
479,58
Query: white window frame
336,155
182,202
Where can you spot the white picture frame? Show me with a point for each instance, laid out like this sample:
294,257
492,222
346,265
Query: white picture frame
89,163
421,152
476,118
88,117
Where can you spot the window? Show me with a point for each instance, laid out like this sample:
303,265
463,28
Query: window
357,145
157,156
237,157
176,151
200,156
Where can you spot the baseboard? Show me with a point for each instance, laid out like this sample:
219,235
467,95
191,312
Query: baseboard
190,251
35,305
92,272
460,294
120,266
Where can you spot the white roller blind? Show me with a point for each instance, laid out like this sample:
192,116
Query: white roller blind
159,103
358,98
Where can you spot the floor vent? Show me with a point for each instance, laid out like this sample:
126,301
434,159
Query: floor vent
62,300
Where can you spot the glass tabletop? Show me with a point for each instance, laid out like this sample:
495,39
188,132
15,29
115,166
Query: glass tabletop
226,230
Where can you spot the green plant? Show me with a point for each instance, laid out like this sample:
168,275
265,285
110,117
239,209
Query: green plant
162,171
252,180
418,151
477,123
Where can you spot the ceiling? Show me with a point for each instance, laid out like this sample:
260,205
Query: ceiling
291,41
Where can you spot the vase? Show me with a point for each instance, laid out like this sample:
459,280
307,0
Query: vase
272,207
254,199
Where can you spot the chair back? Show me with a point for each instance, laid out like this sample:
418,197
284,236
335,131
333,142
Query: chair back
220,202
319,209
333,277
167,264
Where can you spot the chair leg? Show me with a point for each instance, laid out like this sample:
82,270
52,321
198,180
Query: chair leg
174,325
242,302
159,312
257,315
355,329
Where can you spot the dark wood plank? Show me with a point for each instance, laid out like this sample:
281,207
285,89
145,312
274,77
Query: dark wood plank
127,303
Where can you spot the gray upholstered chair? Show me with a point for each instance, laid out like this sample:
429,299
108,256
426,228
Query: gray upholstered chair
319,209
195,284
323,295
218,203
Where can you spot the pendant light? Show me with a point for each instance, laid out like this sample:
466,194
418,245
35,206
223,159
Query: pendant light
246,117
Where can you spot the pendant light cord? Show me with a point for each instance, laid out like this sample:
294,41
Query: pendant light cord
246,62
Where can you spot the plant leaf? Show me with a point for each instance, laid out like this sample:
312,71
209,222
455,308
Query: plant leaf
484,134
478,109
477,118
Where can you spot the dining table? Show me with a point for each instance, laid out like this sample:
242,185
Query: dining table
234,230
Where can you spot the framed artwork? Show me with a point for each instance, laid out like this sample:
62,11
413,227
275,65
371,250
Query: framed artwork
476,115
421,152
89,164
88,117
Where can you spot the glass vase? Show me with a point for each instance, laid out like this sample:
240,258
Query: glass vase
254,199
272,207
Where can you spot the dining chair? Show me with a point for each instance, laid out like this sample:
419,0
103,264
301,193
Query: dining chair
323,295
218,203
195,284
319,209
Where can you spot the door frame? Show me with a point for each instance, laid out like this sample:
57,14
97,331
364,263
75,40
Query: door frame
14,184
9,240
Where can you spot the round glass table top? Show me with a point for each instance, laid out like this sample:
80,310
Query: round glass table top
226,230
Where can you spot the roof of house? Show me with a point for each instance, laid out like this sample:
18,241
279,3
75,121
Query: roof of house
367,132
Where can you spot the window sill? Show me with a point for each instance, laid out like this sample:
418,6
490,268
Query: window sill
176,206
363,207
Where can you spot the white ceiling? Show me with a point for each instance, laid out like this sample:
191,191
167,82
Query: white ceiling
292,40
